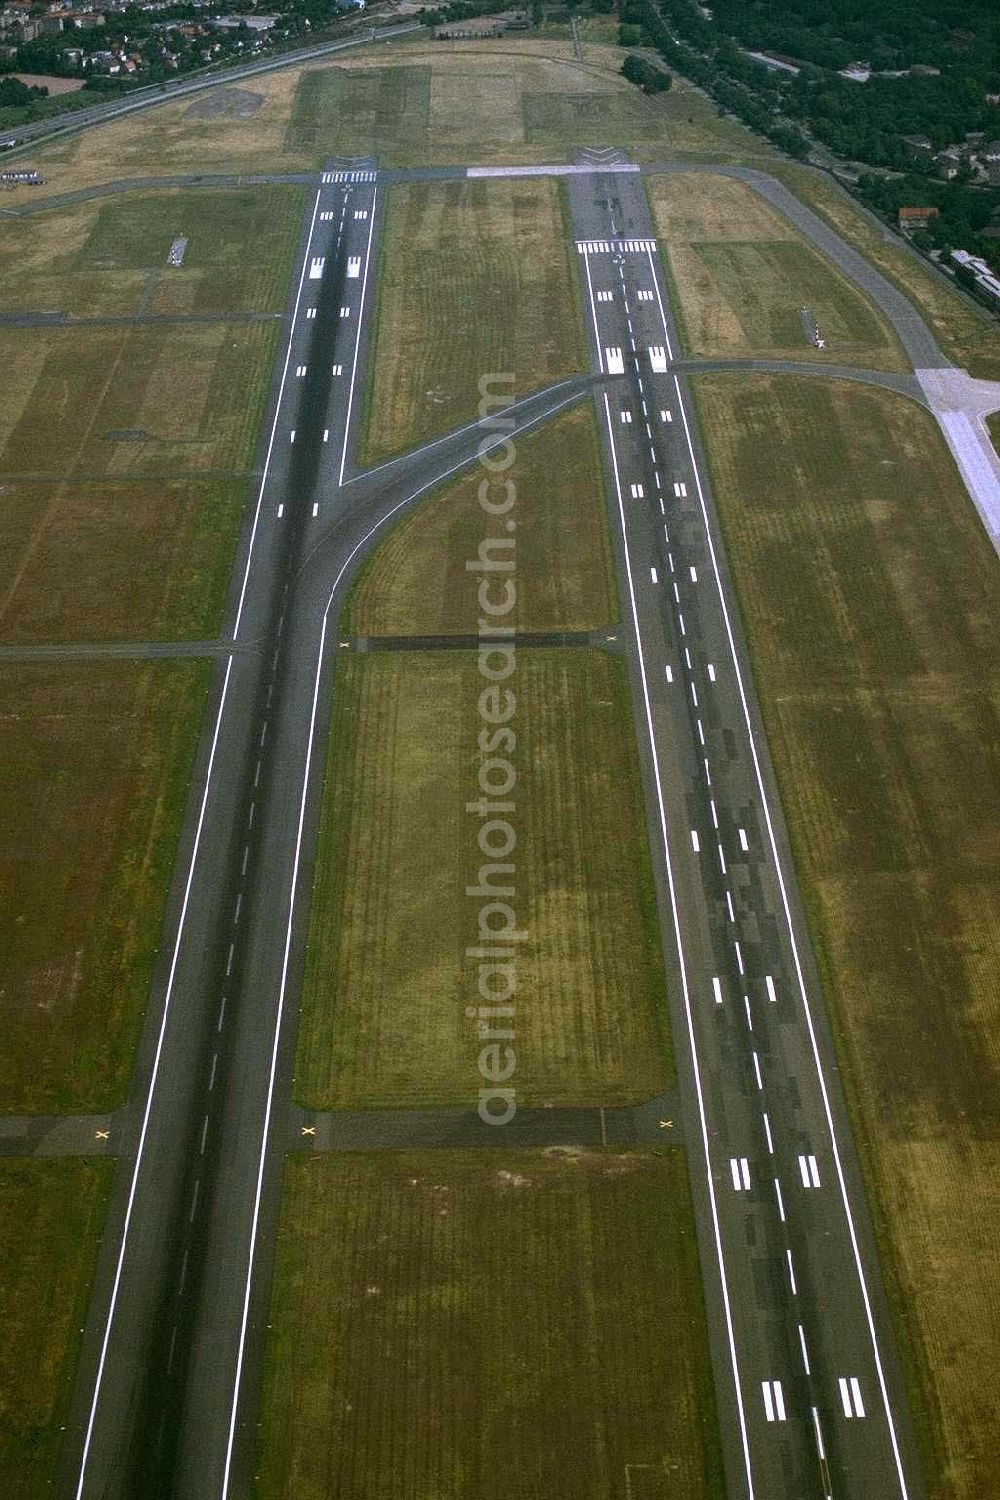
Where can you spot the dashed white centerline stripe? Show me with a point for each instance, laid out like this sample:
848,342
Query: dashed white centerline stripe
685,990
791,1273
805,1352
756,1069
781,1201
767,1135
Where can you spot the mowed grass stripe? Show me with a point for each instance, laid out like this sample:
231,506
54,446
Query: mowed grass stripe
869,589
51,1216
487,1324
95,762
489,258
417,583
387,980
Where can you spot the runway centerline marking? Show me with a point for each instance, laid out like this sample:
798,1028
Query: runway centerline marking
685,987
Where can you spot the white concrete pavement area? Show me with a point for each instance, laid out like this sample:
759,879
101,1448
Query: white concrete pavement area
960,405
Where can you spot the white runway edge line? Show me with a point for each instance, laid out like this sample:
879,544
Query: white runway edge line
293,888
685,989
796,957
168,995
357,338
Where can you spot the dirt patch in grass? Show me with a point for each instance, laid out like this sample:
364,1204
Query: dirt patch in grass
489,258
387,982
95,761
131,401
478,102
967,335
241,103
747,283
431,1312
138,560
417,582
870,593
51,1214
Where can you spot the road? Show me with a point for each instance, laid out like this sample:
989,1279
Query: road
810,1395
81,119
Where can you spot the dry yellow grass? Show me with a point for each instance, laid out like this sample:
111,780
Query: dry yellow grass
870,593
527,100
487,1324
743,275
387,980
417,582
969,336
489,258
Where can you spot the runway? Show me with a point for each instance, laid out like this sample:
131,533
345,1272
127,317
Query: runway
166,1388
165,1403
810,1394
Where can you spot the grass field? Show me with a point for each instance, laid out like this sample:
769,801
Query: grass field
417,583
110,257
489,258
967,335
387,980
134,401
51,1213
743,275
480,1325
94,768
870,594
134,560
518,99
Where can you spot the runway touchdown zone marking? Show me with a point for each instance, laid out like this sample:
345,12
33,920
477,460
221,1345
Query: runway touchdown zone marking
774,1400
739,1166
850,1396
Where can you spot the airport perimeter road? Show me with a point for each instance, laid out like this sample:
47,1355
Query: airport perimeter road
81,119
166,1389
810,1395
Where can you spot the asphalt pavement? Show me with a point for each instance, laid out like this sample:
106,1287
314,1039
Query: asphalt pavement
810,1396
165,1397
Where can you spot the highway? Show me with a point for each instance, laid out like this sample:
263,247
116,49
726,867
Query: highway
166,1389
810,1393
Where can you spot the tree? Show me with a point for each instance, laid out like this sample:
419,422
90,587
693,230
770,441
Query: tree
650,79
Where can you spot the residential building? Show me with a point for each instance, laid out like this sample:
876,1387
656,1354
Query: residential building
917,218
